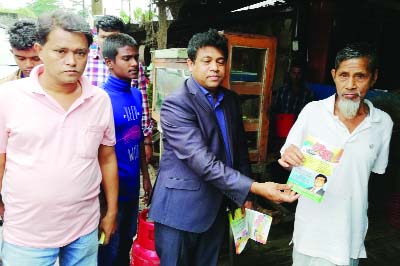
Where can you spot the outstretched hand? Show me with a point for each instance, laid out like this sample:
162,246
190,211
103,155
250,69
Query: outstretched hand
273,191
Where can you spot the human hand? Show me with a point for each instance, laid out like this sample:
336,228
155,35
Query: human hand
147,187
108,225
248,204
292,156
273,191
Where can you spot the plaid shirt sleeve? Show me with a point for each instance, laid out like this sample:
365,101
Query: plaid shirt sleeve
147,124
96,70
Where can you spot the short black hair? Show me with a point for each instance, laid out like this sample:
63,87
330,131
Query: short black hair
358,50
67,21
110,23
323,176
23,34
113,42
208,38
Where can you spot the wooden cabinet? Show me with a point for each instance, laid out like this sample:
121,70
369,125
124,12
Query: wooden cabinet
250,69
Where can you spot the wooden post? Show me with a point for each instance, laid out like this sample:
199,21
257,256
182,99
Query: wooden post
97,7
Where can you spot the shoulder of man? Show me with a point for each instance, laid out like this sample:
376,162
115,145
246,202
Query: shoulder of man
383,116
379,114
13,76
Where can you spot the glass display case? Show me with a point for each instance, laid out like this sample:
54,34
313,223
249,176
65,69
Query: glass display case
169,72
167,80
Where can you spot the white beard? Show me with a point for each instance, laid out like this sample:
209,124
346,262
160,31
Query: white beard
349,108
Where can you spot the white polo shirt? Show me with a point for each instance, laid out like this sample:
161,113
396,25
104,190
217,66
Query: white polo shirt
52,175
335,229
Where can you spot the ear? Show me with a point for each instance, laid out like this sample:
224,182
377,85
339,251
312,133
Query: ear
333,73
38,49
190,64
374,77
109,62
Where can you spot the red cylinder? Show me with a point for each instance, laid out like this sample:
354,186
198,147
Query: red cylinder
143,248
284,123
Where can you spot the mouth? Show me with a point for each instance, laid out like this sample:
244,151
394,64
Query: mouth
133,72
214,78
351,96
71,72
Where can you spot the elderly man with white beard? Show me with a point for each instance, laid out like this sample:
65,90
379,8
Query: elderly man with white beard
332,232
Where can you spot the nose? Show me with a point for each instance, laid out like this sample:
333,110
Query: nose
134,62
70,59
30,63
214,66
351,83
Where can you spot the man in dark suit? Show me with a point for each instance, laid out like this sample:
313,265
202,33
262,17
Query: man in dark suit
205,161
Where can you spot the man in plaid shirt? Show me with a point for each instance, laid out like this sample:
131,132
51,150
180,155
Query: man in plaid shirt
97,72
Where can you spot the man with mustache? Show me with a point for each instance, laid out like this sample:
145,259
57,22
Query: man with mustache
349,121
22,37
56,147
204,166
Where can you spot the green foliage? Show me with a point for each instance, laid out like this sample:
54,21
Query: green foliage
40,6
137,14
125,18
141,16
148,16
22,12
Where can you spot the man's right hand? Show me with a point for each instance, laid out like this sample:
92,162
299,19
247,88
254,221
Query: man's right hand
273,191
292,156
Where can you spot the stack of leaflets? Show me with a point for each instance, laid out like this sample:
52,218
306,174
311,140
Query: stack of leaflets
312,178
249,225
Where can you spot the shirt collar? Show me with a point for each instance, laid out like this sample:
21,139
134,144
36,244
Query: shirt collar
87,88
220,94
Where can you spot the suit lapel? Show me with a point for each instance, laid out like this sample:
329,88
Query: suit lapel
201,99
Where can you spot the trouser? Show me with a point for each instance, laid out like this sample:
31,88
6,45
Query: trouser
181,248
300,259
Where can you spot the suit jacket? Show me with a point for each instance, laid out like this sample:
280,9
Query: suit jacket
321,191
193,178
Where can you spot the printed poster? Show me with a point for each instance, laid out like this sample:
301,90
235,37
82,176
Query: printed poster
249,225
313,177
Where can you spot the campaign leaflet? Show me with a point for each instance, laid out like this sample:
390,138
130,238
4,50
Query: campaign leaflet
249,225
312,178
